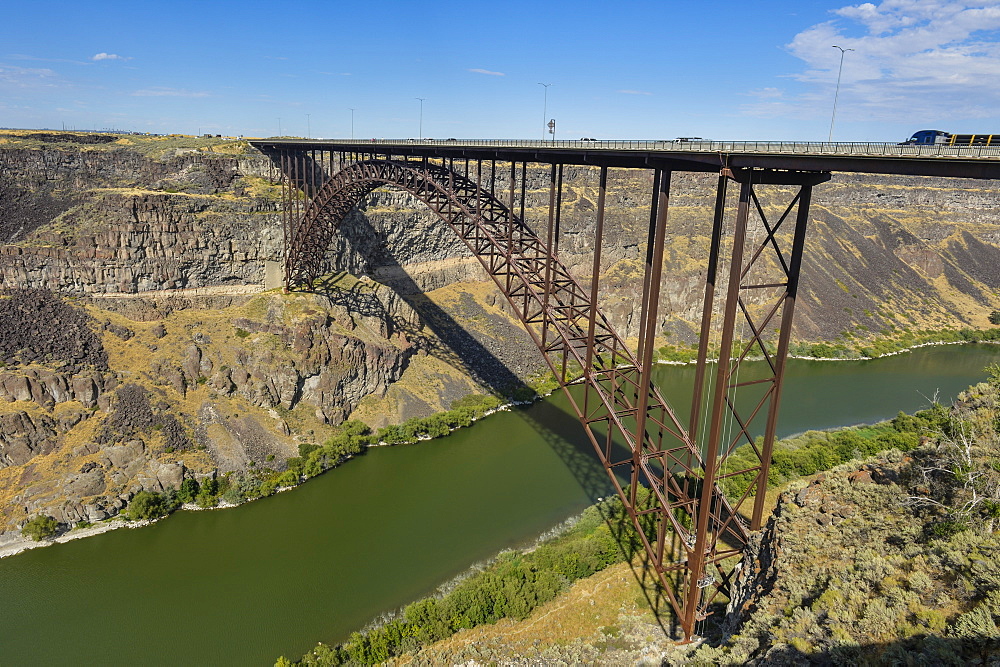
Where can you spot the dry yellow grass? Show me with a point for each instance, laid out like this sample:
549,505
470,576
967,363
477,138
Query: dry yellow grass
595,611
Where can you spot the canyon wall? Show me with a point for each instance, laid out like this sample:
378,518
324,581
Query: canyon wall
163,247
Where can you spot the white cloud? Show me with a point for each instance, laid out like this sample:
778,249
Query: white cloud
477,70
108,56
912,61
168,92
634,92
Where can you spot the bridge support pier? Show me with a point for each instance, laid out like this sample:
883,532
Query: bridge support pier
764,267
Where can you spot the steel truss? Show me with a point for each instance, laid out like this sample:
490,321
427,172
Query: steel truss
693,532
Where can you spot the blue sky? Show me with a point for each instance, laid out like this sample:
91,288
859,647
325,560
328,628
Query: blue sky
656,70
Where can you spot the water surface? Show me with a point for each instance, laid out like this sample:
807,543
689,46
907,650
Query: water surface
242,586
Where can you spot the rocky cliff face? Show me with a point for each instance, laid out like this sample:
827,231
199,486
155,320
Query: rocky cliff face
230,386
140,385
130,240
118,220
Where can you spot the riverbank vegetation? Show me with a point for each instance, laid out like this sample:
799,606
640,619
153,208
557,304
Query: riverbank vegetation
41,527
815,451
352,438
850,345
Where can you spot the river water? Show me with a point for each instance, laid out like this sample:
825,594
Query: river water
243,586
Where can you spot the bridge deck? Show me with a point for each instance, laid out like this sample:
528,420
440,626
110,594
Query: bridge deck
706,156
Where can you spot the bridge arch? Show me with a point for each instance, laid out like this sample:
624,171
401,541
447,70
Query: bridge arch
636,435
555,308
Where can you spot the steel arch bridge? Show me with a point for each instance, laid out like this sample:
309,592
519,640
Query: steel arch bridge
693,533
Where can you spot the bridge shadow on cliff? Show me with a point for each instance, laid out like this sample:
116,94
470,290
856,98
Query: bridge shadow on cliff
458,347
455,345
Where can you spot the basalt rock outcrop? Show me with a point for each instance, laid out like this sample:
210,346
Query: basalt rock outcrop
47,387
148,241
25,437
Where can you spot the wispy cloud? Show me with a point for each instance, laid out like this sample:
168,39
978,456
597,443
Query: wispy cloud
108,56
168,92
766,93
27,77
477,70
912,61
21,56
634,92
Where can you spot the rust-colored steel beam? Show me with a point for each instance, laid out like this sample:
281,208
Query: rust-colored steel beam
702,547
781,354
708,304
648,312
762,285
696,531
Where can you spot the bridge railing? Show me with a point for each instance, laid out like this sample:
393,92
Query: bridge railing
855,148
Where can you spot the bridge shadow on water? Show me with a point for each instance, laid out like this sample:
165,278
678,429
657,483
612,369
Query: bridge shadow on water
452,343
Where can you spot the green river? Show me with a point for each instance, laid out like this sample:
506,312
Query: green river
243,586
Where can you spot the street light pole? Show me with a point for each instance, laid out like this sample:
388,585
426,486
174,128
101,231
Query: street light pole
352,123
836,95
545,106
421,137
308,127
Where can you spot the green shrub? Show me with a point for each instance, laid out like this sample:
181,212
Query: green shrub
148,505
288,478
208,494
188,491
981,623
40,528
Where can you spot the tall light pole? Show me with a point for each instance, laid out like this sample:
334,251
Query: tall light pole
421,137
308,127
279,126
837,94
545,106
352,123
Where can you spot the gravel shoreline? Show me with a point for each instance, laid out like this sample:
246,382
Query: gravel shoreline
21,544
